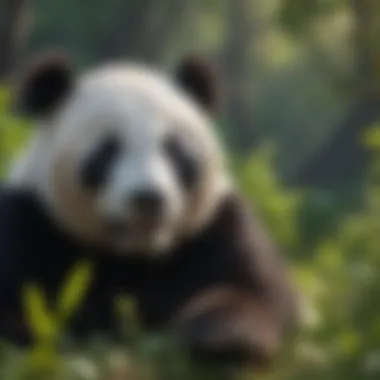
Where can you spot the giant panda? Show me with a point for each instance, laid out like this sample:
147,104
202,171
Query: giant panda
124,168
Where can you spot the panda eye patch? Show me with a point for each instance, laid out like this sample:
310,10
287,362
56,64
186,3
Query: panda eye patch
97,165
184,161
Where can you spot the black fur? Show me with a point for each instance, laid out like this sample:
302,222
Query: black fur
184,162
231,259
44,85
199,78
33,250
96,166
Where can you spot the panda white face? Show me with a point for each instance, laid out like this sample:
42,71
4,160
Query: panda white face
127,161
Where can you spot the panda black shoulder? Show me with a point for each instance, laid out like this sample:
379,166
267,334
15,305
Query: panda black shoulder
16,207
248,254
15,238
230,274
31,248
23,218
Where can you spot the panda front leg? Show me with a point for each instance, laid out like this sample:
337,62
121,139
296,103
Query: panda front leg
228,326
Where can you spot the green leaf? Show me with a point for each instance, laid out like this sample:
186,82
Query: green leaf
75,289
371,139
41,320
4,98
127,310
42,362
349,342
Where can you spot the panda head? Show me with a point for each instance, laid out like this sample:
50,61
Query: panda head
123,156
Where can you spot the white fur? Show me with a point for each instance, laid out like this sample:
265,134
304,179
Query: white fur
139,105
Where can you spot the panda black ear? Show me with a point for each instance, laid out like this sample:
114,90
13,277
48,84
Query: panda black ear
45,83
199,79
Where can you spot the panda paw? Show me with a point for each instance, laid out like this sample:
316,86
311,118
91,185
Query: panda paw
228,340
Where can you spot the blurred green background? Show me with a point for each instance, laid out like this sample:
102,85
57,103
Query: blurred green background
302,101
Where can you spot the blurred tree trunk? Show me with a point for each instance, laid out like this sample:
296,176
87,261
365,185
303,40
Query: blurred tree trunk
142,29
128,24
236,61
11,18
343,158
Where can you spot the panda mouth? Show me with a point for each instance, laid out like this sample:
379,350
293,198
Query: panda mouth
144,227
116,228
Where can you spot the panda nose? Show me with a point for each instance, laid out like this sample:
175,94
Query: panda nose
148,203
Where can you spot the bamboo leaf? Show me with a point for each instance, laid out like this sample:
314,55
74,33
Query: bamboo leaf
75,289
40,319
